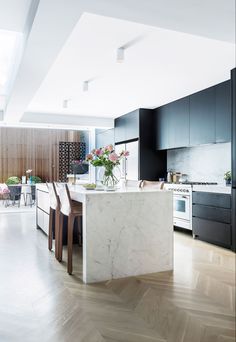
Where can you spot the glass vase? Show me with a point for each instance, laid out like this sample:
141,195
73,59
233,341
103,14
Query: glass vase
109,178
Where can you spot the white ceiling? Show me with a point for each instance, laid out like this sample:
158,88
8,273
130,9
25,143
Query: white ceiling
160,65
170,54
13,14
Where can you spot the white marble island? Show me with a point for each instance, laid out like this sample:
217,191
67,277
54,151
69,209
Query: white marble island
125,233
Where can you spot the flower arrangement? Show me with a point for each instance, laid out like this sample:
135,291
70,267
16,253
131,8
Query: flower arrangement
109,159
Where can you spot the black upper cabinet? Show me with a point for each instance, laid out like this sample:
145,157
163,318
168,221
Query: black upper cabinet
202,117
172,125
140,124
223,112
179,123
120,132
104,137
162,127
127,127
132,125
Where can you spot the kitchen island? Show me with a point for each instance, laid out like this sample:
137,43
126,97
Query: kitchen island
127,232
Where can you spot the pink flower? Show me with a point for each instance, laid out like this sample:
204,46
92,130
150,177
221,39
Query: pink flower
109,148
98,152
89,156
113,157
126,153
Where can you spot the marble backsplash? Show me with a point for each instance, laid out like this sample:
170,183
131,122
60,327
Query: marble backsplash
206,163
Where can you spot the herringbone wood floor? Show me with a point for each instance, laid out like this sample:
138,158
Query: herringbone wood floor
40,302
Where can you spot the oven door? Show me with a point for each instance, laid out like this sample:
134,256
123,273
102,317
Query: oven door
182,207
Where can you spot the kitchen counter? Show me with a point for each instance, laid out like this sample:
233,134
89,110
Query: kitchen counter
221,189
127,232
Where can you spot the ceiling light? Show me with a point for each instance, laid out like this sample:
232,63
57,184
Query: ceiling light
120,55
85,86
65,103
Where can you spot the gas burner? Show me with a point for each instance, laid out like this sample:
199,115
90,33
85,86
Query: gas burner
200,183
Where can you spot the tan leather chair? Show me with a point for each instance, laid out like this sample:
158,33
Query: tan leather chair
54,212
152,184
72,210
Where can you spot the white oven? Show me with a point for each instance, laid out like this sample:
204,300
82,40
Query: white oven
182,205
182,209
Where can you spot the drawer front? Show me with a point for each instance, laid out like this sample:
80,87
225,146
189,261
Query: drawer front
40,218
215,232
212,199
43,201
212,213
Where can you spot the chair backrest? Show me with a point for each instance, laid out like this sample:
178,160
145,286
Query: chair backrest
65,199
26,189
133,183
53,196
33,191
152,184
15,191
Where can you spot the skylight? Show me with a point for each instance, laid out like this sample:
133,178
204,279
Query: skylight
8,45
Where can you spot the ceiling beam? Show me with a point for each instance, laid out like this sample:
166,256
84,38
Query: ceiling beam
65,119
52,25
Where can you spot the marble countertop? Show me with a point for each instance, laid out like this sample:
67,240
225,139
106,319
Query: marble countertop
222,189
81,190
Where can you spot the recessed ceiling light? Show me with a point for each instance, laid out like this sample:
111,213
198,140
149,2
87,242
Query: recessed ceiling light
85,86
120,55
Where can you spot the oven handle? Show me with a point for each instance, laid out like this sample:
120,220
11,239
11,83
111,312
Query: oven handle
181,196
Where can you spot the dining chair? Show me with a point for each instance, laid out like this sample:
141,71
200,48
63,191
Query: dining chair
72,210
28,192
152,185
15,194
54,217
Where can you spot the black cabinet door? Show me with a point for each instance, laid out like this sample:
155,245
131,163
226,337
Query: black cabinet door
127,127
104,138
223,112
162,127
132,125
212,199
214,232
178,133
120,129
202,117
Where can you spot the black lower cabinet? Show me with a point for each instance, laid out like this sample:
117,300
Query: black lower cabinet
212,218
211,231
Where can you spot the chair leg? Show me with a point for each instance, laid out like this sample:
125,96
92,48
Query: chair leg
56,232
80,231
70,243
59,239
50,229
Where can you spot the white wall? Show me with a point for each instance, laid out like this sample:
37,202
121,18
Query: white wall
206,163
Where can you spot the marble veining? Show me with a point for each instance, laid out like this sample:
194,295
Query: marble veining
125,233
206,163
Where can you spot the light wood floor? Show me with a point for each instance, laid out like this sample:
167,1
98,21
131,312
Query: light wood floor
40,302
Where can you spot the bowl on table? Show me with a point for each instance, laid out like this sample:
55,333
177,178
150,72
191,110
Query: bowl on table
89,186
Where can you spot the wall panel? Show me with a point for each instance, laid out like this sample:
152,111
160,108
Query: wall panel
32,148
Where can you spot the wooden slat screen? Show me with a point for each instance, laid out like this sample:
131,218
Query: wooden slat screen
32,148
